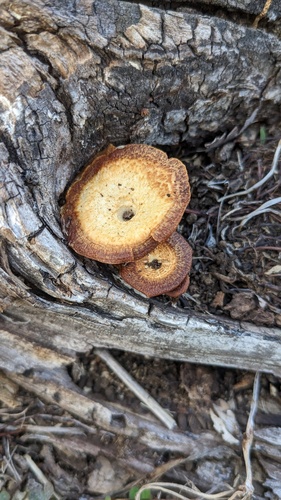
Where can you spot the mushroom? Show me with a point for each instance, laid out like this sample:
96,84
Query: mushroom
162,270
124,203
179,290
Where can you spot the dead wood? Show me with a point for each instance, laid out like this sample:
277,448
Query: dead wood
73,79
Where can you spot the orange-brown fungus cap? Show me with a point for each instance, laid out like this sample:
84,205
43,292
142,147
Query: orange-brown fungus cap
162,270
179,290
124,203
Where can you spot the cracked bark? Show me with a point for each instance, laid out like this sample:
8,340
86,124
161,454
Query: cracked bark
74,77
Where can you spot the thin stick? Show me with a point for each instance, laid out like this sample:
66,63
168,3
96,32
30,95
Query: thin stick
44,429
249,434
36,471
262,181
47,485
136,388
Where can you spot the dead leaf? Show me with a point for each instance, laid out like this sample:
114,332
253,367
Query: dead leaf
106,477
218,300
274,270
241,304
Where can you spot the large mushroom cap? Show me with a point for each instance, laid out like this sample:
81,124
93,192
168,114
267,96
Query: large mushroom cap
162,270
124,203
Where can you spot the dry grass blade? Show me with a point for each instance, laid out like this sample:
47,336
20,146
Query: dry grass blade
239,206
154,407
262,209
8,461
260,183
170,488
233,134
262,13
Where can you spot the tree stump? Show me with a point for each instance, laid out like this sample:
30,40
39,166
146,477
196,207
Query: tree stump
76,76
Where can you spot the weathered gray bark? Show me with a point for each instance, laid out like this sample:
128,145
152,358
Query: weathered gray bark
75,76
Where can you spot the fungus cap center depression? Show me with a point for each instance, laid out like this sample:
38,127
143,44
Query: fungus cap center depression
134,198
158,264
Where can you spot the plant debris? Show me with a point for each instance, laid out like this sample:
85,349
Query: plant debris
233,224
47,450
110,442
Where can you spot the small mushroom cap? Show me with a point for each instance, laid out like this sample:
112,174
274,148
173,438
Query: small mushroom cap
124,203
162,270
179,290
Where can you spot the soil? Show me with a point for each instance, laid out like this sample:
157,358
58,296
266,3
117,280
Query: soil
197,397
236,267
236,263
236,272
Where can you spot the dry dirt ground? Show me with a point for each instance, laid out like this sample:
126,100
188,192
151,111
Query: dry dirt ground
236,272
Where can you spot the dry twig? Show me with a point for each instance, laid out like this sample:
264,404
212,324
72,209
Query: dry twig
248,439
48,487
136,388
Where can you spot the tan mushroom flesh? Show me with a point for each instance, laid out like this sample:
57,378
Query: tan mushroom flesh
161,270
125,202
